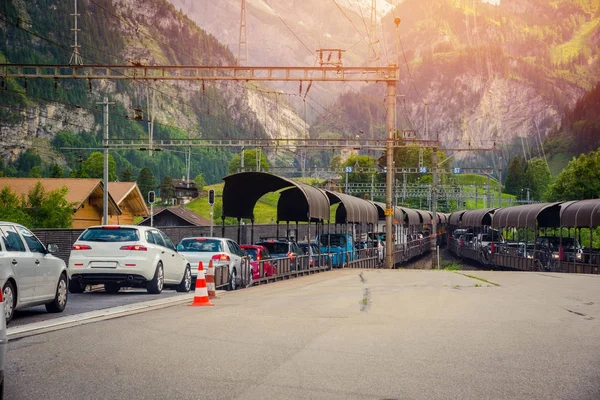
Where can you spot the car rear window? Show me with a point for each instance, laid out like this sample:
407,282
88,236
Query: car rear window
304,248
336,240
110,235
276,248
200,245
252,252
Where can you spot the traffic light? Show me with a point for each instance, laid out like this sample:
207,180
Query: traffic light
151,197
211,197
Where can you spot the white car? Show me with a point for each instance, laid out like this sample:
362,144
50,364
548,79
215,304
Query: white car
3,345
222,252
29,273
127,256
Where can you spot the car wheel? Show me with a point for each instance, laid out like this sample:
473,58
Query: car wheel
112,287
233,280
9,298
155,286
186,282
60,299
76,287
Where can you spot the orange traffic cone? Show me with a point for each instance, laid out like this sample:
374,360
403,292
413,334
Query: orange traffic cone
210,281
201,294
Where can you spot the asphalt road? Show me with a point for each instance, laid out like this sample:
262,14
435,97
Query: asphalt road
88,301
400,334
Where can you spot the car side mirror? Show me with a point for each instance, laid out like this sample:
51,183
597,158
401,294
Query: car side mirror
52,248
179,247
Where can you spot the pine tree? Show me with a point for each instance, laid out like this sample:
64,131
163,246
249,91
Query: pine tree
127,175
514,179
146,181
166,189
56,171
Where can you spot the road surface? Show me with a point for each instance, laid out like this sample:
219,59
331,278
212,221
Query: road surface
346,334
88,301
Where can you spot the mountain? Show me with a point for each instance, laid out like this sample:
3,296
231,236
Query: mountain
495,71
500,72
288,33
492,72
578,132
54,119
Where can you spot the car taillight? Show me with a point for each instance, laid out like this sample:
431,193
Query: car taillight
221,257
81,247
1,296
134,247
290,255
111,227
258,257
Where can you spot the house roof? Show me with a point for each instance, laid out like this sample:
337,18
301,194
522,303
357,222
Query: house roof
185,214
78,189
129,190
183,184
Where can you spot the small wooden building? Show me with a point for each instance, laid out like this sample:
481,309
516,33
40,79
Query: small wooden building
184,191
86,196
175,216
130,200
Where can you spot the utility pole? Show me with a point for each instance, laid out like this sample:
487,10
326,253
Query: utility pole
500,179
434,189
258,157
373,41
489,193
75,56
426,120
242,160
243,40
396,193
389,151
105,103
188,164
403,187
347,169
150,102
389,176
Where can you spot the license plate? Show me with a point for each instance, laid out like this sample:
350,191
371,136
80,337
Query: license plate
104,265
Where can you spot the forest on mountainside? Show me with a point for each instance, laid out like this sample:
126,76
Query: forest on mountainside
33,33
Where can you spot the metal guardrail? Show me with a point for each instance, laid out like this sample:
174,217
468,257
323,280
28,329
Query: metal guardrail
365,258
515,255
222,276
277,269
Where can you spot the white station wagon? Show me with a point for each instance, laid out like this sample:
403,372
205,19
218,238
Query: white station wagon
30,275
127,256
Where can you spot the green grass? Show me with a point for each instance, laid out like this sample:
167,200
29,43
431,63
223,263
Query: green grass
566,52
480,279
453,267
473,179
265,209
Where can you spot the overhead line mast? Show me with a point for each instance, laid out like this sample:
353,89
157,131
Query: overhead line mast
243,39
75,56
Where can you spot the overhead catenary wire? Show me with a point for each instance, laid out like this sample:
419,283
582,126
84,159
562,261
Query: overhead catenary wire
290,29
355,27
410,73
42,37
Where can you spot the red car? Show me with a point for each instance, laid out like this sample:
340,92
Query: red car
257,255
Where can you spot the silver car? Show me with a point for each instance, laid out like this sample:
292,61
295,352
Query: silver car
29,273
222,252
